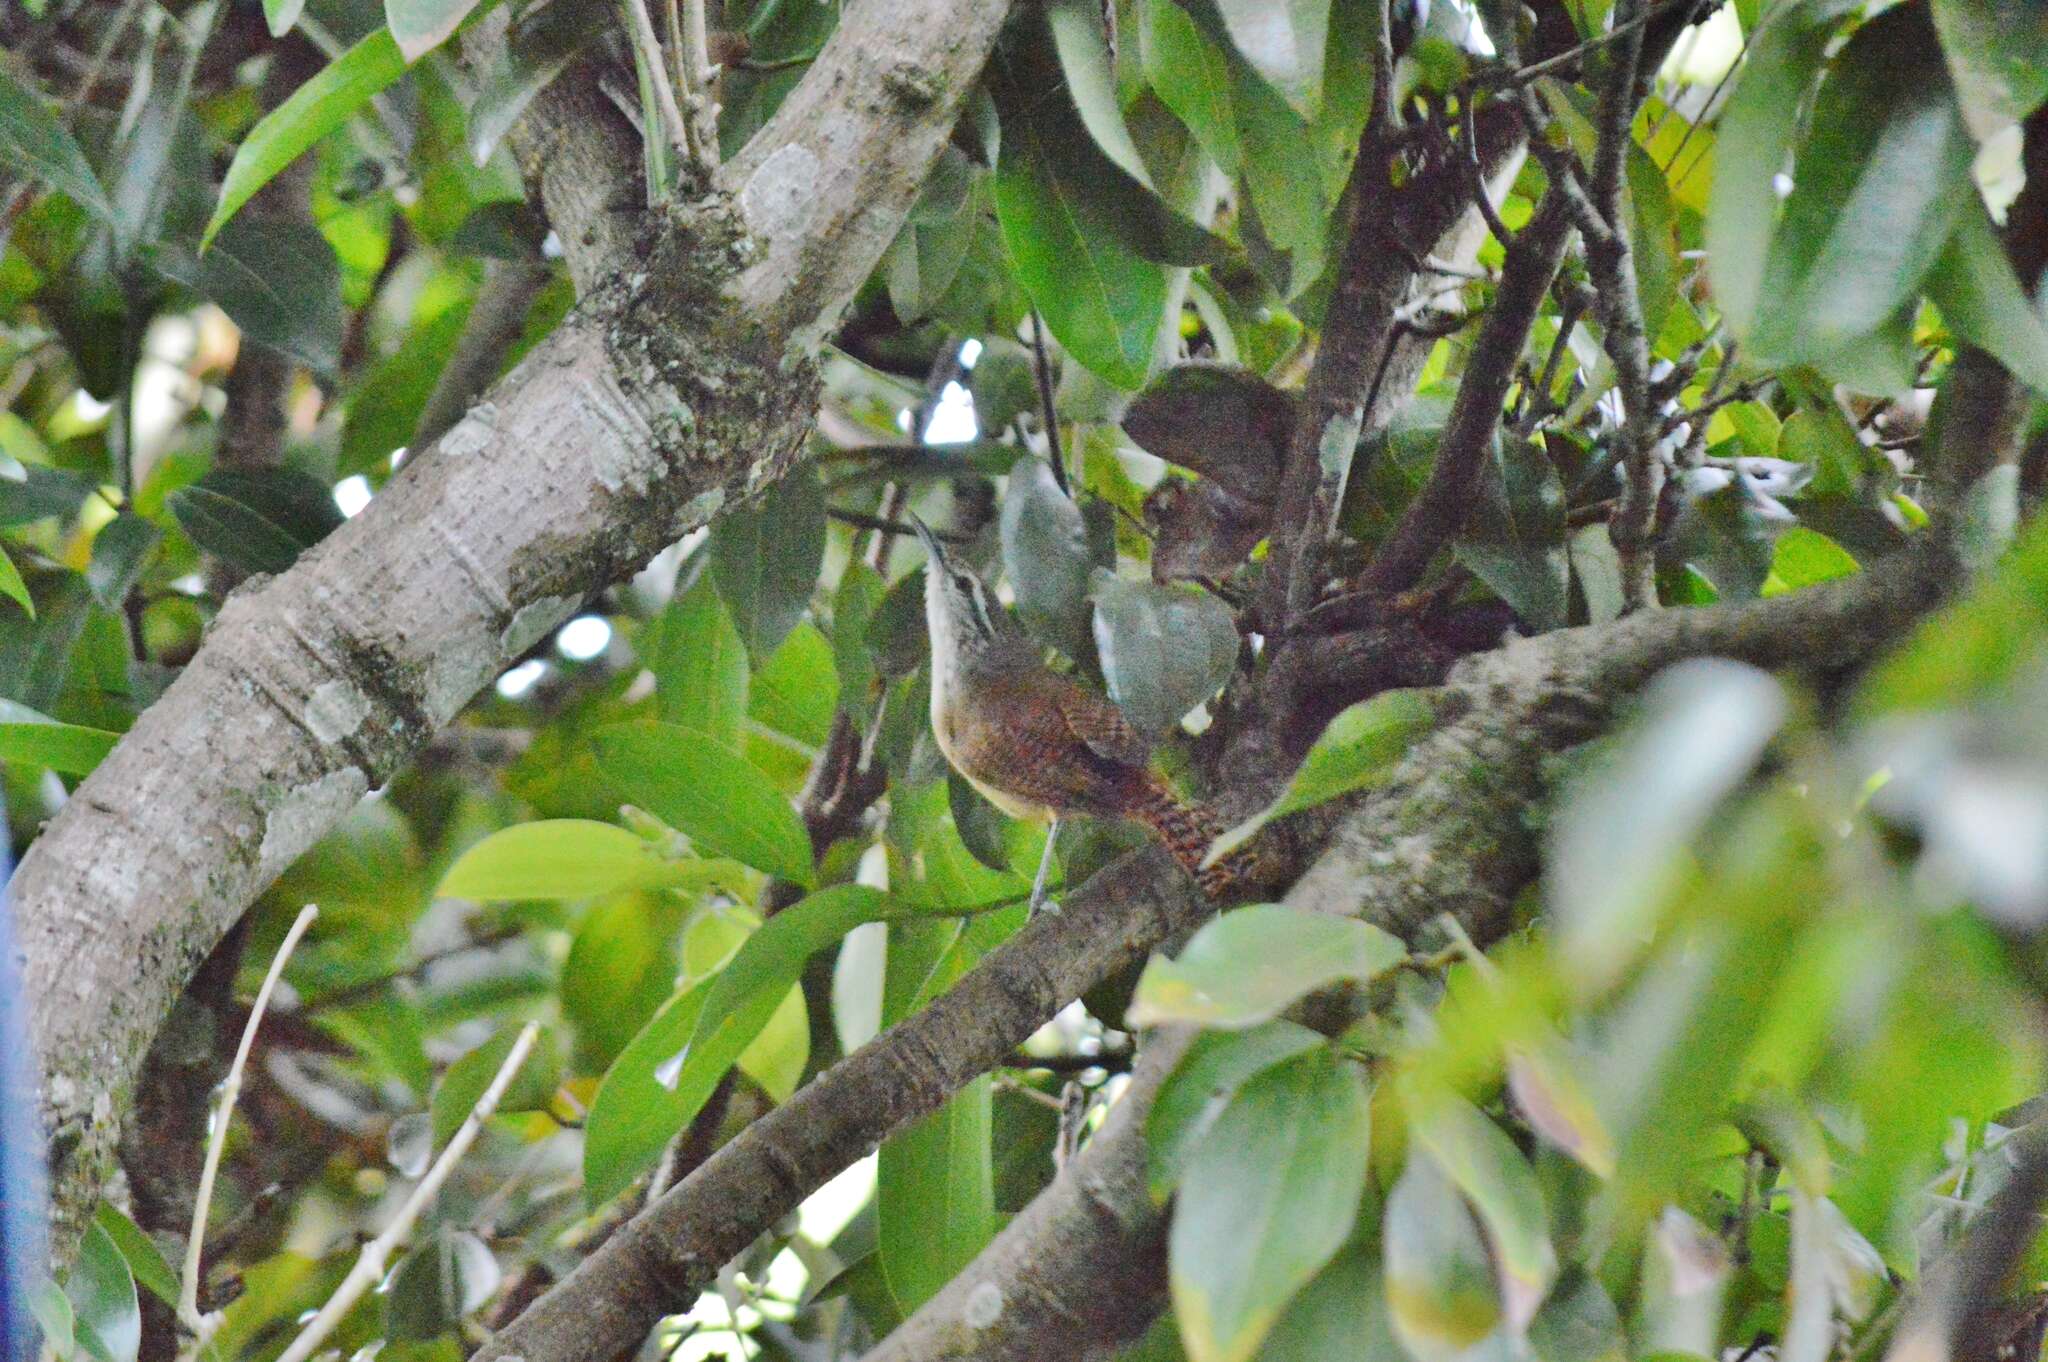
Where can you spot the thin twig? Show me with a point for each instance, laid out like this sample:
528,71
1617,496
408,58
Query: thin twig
888,525
696,51
1043,369
369,1267
203,1327
657,76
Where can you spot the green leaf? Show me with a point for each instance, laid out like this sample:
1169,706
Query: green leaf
1439,1281
565,858
280,282
1198,1090
796,690
1484,1164
52,1312
120,551
1355,750
102,1292
145,1260
1192,77
13,587
714,796
1806,558
543,41
1685,1276
1578,1324
1342,1313
315,109
420,26
1165,648
700,666
35,144
936,1196
1045,556
1998,55
1284,40
437,1285
1514,536
531,1089
777,1057
41,493
1755,134
281,15
66,748
261,521
1879,186
860,595
1983,302
1268,1199
634,1116
1249,964
765,556
1618,838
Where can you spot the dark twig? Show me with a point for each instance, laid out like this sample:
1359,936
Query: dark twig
1041,367
861,520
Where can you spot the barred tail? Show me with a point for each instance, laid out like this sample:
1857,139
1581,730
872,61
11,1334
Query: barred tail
1187,831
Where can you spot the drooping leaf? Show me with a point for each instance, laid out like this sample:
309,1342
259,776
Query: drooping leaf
1268,1199
260,521
312,111
722,802
1485,1165
145,1260
1248,965
108,1318
1046,558
1191,1099
937,1196
1983,302
700,666
1355,750
634,1115
420,26
543,40
438,1285
860,596
531,1089
1616,843
1514,537
35,144
281,15
280,282
13,587
1192,78
1284,41
1880,184
1998,56
765,556
1440,1287
120,551
1165,648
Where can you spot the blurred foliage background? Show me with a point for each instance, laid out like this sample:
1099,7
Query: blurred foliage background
1767,1034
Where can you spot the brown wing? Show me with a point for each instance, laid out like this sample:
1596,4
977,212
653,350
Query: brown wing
1096,721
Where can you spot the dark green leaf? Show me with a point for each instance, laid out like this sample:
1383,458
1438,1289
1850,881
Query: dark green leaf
102,1291
1045,556
723,803
315,109
1209,1075
505,229
860,595
531,1089
41,493
979,823
1192,77
34,143
1483,1163
1165,648
260,521
1514,536
700,666
120,551
1284,41
280,282
1268,1199
1983,302
1248,965
543,41
437,1285
765,556
145,1260
1997,52
1879,186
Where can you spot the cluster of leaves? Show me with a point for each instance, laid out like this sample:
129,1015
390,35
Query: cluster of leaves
1685,1110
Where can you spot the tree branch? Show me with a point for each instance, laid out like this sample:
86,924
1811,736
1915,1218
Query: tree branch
313,687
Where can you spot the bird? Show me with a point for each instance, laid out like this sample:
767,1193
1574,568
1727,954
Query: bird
1038,743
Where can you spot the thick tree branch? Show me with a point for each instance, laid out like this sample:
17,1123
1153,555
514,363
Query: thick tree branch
673,390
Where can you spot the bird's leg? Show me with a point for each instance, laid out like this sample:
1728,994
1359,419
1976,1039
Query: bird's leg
1038,903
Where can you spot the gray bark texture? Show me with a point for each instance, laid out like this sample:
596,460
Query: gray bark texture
682,384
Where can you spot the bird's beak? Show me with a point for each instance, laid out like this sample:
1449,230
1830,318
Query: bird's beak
925,536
